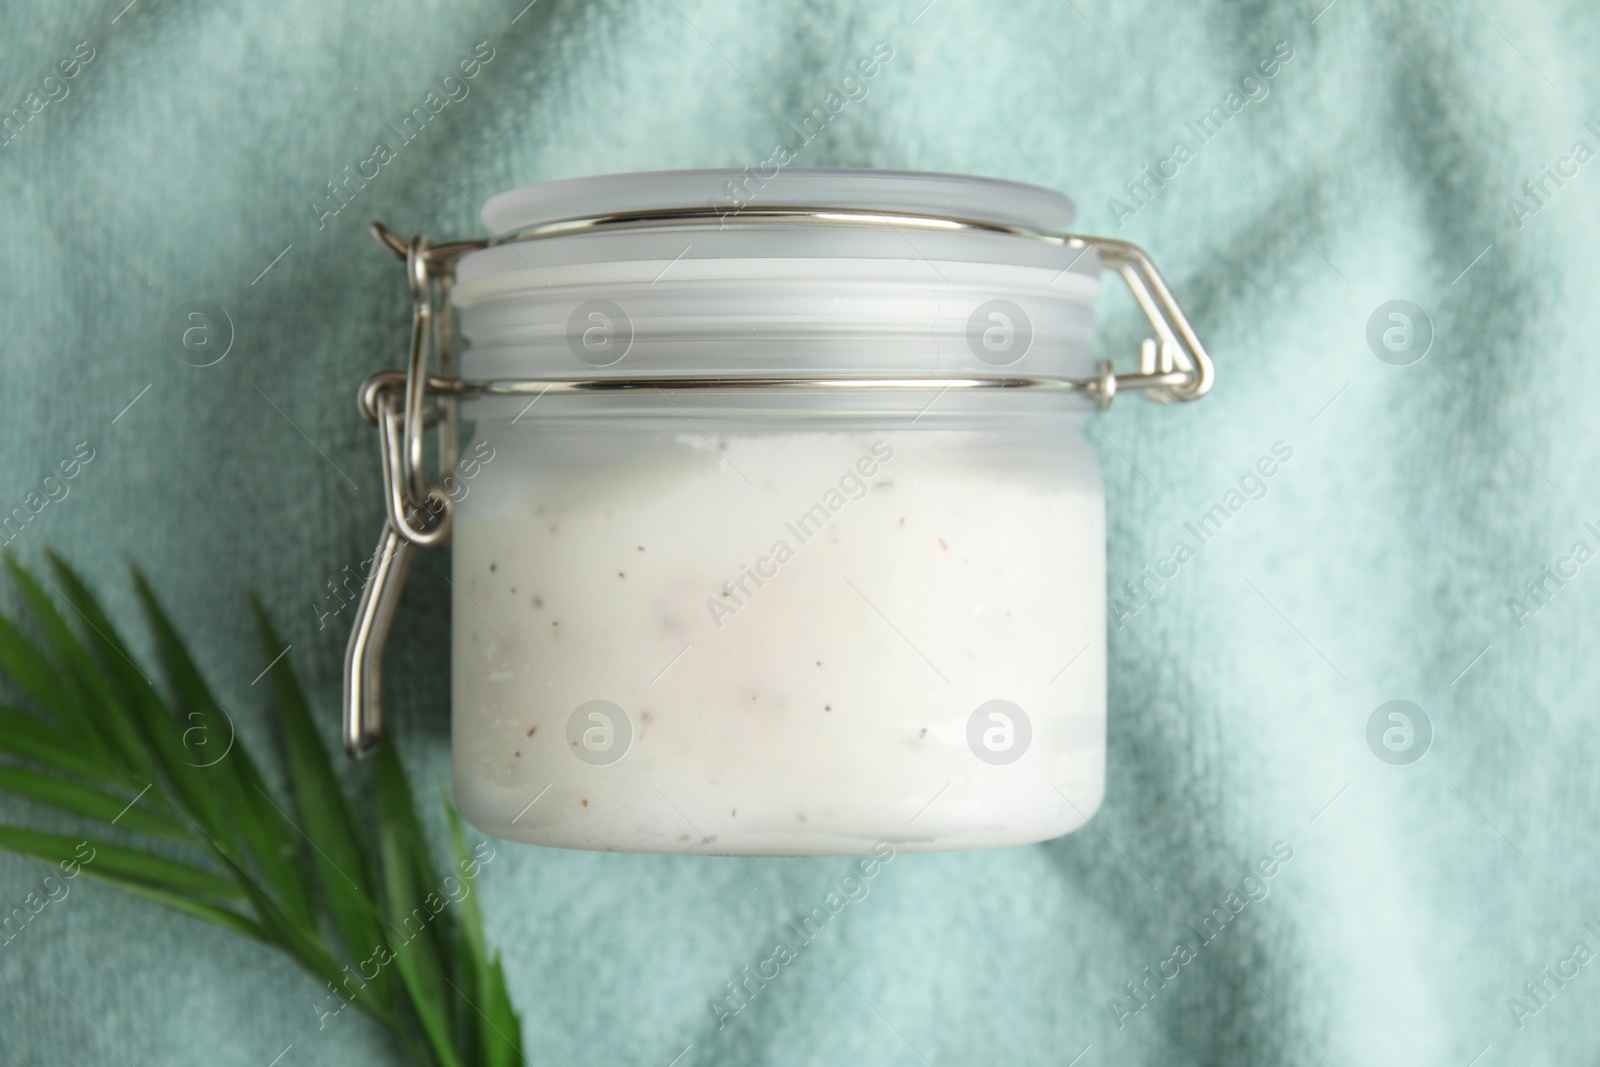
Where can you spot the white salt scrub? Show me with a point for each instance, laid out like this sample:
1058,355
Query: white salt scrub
797,631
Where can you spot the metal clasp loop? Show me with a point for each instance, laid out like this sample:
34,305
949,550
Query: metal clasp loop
417,513
1173,365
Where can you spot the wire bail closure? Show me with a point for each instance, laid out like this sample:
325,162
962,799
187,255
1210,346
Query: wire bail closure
403,405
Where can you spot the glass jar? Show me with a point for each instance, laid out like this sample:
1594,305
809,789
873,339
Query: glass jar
775,528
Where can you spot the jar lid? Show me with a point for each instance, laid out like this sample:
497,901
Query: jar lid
724,272
729,192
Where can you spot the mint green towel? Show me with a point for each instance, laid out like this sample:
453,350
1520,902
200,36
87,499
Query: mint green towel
1274,877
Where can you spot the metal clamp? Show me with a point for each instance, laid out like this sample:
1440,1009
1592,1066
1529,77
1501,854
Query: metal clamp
1173,366
402,405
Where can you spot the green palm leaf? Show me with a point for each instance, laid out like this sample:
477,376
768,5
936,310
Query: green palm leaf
228,920
28,668
91,803
262,831
31,739
485,980
325,817
103,743
87,684
203,792
120,864
417,914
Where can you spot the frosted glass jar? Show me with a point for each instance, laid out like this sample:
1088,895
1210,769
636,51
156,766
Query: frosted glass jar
774,619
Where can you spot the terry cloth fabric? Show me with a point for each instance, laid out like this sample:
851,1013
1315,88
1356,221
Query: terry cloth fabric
1294,168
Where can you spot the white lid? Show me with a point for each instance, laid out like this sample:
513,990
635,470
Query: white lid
736,292
890,192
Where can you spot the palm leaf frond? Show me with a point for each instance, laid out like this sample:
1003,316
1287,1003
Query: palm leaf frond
98,740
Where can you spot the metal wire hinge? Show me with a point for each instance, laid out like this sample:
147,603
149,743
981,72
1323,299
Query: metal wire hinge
1173,366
